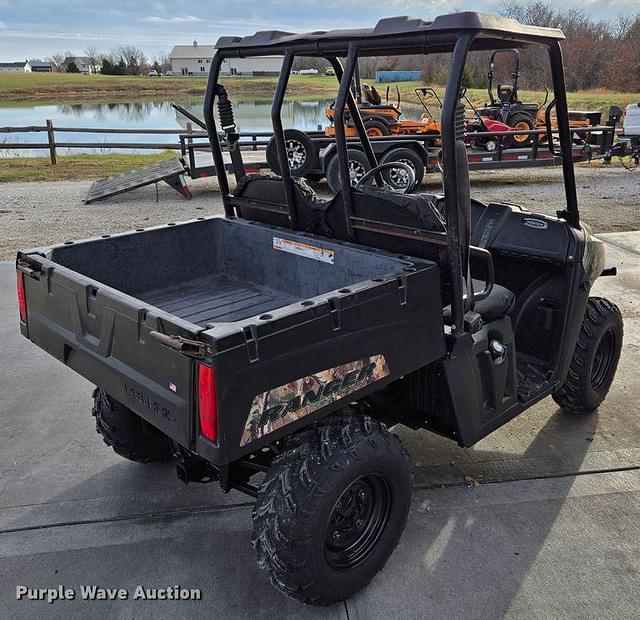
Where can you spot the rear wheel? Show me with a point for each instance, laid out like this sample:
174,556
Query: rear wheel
127,433
524,122
358,165
332,509
595,358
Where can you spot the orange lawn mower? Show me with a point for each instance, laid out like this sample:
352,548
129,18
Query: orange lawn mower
383,119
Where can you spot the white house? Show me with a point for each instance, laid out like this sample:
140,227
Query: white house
191,59
196,60
12,67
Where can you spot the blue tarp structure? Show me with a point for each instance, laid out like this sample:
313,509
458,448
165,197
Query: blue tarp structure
397,76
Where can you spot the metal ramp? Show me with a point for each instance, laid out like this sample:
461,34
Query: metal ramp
171,172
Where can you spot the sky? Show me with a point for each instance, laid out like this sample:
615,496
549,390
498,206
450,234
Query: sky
40,28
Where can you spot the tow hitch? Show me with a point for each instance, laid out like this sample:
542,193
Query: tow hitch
191,468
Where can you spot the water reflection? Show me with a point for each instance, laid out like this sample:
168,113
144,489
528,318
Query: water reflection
129,113
252,115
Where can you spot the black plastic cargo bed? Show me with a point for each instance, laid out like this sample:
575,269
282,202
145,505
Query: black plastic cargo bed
265,306
216,298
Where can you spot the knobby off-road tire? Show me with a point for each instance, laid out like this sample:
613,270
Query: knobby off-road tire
332,509
595,358
128,434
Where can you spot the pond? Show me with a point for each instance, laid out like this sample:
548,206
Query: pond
252,115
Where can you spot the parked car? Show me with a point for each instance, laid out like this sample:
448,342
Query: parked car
308,72
168,73
153,73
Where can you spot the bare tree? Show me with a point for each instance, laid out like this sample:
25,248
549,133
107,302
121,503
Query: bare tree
163,61
92,54
133,57
57,60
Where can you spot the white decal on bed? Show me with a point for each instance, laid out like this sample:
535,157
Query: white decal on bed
304,249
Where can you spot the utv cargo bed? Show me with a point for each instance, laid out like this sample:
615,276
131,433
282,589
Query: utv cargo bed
264,306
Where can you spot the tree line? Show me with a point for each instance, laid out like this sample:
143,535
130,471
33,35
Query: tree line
596,54
122,60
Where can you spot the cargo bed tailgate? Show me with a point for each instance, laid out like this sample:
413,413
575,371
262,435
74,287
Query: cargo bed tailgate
107,337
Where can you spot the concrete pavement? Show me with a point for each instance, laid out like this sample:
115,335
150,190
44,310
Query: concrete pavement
551,530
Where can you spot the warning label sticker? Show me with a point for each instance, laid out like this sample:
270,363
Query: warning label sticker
303,249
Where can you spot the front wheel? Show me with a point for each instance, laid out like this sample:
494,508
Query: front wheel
595,358
331,509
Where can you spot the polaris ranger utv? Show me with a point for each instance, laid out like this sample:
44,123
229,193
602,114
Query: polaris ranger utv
270,349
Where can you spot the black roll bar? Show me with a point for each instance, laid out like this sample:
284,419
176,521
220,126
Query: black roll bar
214,140
345,98
356,117
571,214
457,256
278,136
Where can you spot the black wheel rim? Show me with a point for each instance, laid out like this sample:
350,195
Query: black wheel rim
603,360
357,521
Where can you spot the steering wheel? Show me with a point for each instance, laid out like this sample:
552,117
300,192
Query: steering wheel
391,165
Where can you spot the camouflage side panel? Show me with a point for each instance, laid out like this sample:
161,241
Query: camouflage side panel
280,406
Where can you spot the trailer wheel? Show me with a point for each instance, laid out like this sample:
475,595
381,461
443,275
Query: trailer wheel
397,178
358,165
595,358
523,121
331,509
127,433
300,153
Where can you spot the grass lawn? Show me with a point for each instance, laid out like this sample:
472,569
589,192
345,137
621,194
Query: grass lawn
64,87
73,166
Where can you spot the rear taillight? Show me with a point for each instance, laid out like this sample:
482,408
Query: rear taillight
22,300
207,403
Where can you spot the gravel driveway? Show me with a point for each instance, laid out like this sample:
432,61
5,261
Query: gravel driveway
33,214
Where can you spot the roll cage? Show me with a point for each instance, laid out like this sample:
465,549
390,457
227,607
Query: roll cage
457,34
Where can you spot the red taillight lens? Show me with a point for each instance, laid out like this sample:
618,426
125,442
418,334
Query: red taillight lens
22,300
207,403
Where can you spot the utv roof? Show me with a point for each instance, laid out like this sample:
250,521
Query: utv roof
395,35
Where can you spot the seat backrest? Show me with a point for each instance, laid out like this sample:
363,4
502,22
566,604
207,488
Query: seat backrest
409,211
262,198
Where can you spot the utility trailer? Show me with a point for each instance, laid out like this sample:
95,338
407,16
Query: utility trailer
313,155
271,349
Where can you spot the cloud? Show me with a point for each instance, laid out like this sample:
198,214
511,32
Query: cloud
187,19
3,25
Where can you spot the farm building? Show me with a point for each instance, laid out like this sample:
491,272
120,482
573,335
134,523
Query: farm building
38,67
196,59
12,67
82,62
